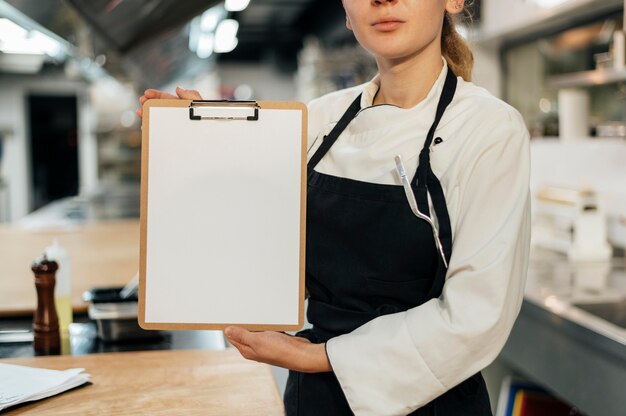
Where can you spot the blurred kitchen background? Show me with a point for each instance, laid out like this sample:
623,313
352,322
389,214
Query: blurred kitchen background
71,73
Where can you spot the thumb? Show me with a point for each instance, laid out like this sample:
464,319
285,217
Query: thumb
188,94
236,334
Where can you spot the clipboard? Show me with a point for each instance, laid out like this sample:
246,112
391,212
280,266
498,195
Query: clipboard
223,215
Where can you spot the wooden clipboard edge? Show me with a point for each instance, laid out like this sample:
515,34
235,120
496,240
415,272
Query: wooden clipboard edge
143,223
220,327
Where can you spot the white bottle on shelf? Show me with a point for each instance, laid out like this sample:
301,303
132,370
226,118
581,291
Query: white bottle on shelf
63,287
573,113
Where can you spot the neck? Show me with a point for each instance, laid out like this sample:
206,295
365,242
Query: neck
406,82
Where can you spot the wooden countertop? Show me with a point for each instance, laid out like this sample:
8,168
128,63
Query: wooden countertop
178,382
102,254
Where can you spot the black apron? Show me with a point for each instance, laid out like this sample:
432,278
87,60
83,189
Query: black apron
368,255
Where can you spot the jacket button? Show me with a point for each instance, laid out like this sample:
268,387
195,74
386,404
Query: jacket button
438,140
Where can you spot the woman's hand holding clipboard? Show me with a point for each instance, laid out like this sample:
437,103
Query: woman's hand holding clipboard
182,93
279,349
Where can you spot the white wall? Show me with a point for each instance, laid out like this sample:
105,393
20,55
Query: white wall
596,163
14,90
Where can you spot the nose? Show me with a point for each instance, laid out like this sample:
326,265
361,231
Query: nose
380,2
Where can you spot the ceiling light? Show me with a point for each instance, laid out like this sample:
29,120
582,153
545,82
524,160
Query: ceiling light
47,45
236,5
210,19
206,43
9,29
225,47
226,36
14,39
205,25
20,46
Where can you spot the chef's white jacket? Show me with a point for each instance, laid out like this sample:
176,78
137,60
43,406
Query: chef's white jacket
397,363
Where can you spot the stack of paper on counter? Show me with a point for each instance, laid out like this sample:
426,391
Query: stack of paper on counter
19,384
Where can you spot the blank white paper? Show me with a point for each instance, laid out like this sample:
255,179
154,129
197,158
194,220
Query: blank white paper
223,218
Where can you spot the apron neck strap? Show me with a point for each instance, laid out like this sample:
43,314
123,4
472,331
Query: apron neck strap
330,139
449,87
420,177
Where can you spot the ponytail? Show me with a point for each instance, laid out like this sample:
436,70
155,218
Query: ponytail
455,48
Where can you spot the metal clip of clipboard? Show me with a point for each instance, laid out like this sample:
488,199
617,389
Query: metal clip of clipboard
223,110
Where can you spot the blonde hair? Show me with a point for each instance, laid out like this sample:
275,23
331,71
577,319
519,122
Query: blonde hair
455,49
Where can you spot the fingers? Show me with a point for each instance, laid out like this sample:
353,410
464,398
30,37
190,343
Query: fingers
230,333
242,340
188,94
158,95
252,345
245,350
150,94
237,334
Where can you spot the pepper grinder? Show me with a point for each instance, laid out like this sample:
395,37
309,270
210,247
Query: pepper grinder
47,338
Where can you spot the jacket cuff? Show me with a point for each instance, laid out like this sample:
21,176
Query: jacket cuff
328,357
385,376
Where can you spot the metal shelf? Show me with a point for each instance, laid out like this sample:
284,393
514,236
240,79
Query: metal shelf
588,78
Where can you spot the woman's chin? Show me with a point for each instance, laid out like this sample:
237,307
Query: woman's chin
390,49
392,54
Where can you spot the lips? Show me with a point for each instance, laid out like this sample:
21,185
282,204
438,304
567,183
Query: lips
387,24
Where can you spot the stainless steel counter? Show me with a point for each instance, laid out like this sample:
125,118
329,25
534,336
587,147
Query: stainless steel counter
570,289
557,340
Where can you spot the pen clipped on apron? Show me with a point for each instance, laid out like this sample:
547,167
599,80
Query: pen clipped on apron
413,204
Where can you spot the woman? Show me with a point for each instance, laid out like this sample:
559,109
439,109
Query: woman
403,318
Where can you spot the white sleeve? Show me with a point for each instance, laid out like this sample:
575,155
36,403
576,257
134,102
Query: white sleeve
397,363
